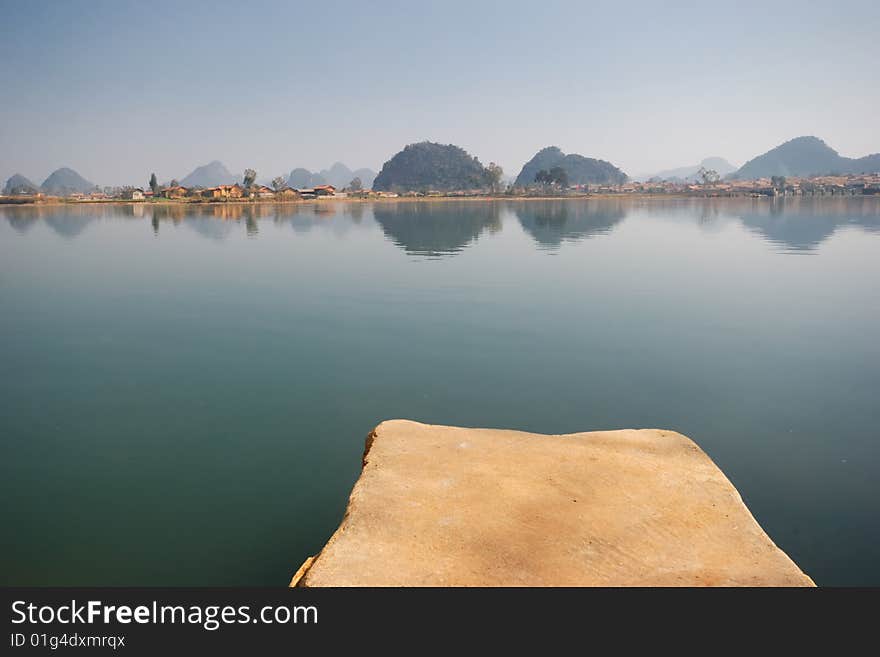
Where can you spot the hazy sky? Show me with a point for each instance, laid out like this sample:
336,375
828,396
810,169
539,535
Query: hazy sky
119,89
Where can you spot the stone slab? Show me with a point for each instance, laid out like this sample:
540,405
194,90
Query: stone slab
449,506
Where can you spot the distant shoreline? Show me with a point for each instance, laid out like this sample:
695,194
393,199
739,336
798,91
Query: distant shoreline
13,201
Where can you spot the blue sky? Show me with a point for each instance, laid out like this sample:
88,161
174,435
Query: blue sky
119,89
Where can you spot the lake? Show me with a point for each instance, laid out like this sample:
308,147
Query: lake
186,390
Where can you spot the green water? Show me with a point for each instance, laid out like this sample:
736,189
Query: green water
185,392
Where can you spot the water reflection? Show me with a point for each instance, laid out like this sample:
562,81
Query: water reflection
330,316
439,229
22,223
210,227
436,229
337,218
800,225
66,221
551,223
69,225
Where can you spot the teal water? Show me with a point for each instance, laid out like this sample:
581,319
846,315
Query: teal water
185,392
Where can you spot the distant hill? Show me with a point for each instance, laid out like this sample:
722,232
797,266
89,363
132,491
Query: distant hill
581,170
690,174
65,181
805,156
867,164
430,166
18,184
338,175
367,176
210,175
301,178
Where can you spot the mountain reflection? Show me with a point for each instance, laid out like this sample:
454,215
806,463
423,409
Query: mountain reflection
436,229
800,225
69,226
210,227
22,222
66,221
551,223
336,218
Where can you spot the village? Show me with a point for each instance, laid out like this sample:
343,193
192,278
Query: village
178,193
849,185
777,186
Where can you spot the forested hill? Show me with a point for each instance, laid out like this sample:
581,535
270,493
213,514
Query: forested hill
18,184
805,156
65,181
430,166
580,170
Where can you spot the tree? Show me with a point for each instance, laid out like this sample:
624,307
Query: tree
154,184
249,177
174,183
493,174
778,183
558,176
708,176
542,177
278,183
355,185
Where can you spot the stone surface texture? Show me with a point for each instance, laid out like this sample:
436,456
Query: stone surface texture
448,506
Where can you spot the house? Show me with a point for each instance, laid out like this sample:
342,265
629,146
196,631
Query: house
265,192
287,194
133,194
224,192
177,191
325,190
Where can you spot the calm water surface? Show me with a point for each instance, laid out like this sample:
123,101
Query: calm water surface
186,391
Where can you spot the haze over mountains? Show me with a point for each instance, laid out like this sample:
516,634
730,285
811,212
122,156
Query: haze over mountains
691,173
338,175
65,181
61,182
18,184
210,175
429,165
